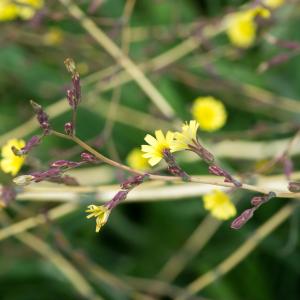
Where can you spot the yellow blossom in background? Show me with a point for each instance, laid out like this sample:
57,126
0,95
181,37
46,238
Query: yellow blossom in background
154,151
219,204
136,160
210,113
82,68
8,11
186,137
10,163
24,9
53,37
273,3
101,213
241,26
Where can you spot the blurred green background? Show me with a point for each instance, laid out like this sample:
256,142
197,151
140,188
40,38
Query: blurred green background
140,237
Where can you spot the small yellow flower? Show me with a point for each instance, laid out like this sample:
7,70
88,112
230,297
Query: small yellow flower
219,204
136,160
101,213
186,137
273,3
53,37
8,10
10,163
241,26
154,151
210,113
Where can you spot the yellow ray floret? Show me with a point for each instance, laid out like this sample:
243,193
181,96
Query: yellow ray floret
157,144
10,163
186,137
101,213
219,204
136,160
210,113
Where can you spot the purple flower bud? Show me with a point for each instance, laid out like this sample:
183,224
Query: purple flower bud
65,164
34,141
76,88
288,167
69,128
294,187
87,157
134,181
42,117
71,98
120,196
242,219
40,176
67,180
257,200
216,170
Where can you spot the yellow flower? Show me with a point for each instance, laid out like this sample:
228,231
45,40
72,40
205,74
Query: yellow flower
10,163
210,113
53,37
25,9
136,160
273,3
219,204
101,213
186,137
8,11
241,26
154,151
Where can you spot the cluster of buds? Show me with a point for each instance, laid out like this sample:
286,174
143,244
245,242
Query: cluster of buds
213,168
173,167
102,212
56,172
73,94
42,117
246,215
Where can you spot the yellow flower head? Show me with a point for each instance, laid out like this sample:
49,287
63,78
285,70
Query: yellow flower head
186,137
10,163
136,160
25,9
157,144
210,113
219,204
53,37
241,26
101,213
273,3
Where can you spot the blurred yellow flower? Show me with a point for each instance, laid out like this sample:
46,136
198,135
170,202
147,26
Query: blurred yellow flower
154,151
101,213
53,37
136,160
241,26
10,163
210,113
219,204
186,137
273,3
25,9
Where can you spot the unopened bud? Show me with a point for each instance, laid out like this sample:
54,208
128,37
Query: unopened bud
69,128
242,219
88,157
70,65
294,187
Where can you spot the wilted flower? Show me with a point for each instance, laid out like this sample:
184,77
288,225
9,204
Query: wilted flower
210,113
157,144
101,213
10,163
219,204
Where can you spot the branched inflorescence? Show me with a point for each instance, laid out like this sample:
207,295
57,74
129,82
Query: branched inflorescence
159,147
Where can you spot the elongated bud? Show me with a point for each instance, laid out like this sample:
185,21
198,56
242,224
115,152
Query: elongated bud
70,65
88,157
65,164
42,117
242,219
33,142
294,187
216,170
134,181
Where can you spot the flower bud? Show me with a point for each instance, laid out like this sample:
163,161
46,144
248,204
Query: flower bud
23,180
69,128
242,219
294,187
